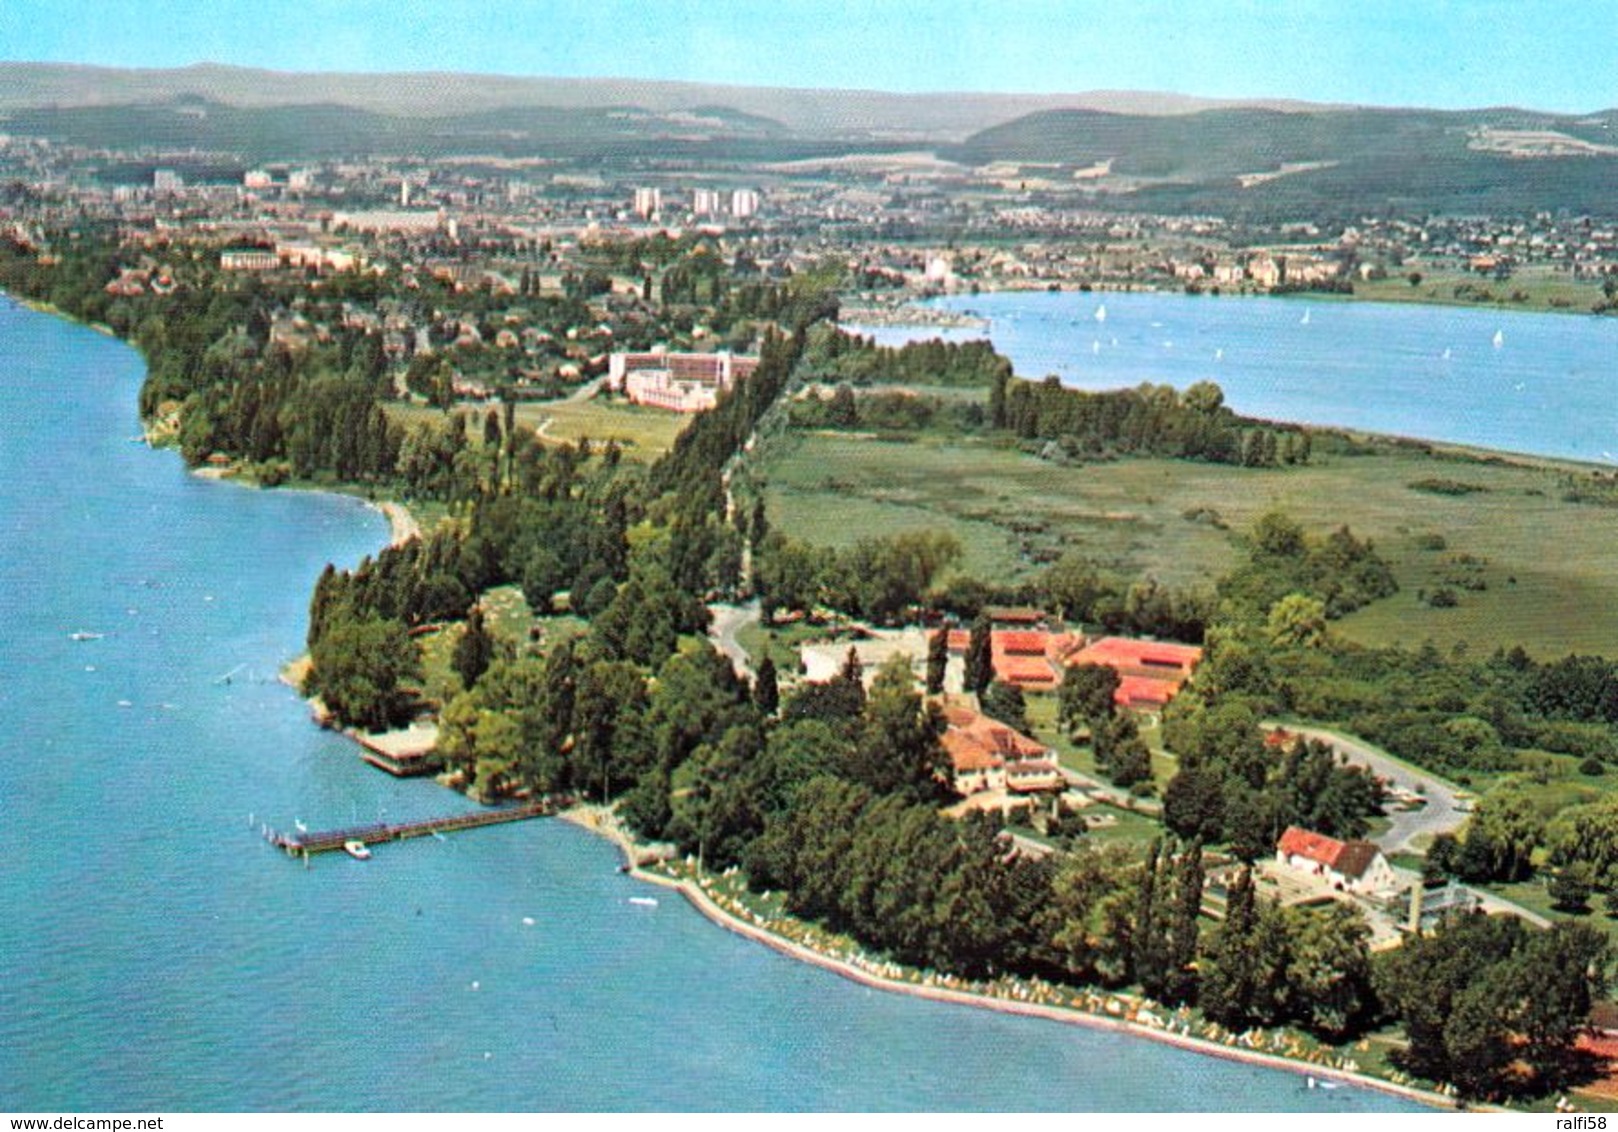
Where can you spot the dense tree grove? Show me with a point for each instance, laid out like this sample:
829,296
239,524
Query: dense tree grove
1231,787
1492,1004
880,579
1266,965
1155,420
834,358
1340,572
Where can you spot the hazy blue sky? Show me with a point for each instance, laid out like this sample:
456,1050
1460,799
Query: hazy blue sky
1538,53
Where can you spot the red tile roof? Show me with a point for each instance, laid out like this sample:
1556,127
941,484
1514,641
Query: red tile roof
1025,657
1139,690
1144,656
1315,847
1347,858
1150,672
1023,641
974,741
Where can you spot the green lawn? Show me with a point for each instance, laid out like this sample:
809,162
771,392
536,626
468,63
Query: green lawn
1541,569
1128,826
643,434
780,642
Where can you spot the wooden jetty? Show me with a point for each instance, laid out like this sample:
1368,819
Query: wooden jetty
306,844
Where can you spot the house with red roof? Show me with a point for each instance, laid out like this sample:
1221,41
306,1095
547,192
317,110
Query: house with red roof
1352,866
1150,673
985,754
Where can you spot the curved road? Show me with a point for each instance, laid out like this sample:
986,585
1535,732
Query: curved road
1441,814
728,620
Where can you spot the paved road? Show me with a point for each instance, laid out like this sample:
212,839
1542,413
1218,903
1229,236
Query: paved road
728,620
1440,815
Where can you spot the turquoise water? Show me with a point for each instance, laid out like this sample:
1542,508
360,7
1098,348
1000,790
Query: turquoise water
155,954
1549,388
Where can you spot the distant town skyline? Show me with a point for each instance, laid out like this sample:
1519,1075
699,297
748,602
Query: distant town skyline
1433,53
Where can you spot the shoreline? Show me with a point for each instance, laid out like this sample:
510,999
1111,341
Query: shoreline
402,526
1166,287
596,820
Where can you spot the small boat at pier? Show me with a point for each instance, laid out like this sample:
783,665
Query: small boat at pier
357,850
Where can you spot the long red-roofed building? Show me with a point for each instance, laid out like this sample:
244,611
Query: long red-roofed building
1150,673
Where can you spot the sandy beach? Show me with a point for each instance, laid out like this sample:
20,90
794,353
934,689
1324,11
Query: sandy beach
599,821
402,525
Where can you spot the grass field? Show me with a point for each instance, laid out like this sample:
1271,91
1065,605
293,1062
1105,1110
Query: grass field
1548,575
1539,288
643,434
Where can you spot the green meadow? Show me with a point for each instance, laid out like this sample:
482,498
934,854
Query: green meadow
1524,564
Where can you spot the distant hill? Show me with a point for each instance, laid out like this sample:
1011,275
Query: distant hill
1322,162
318,131
842,113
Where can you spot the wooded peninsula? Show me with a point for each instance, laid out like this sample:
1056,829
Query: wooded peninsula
552,621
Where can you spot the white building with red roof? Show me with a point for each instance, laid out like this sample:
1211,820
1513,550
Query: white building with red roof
1353,866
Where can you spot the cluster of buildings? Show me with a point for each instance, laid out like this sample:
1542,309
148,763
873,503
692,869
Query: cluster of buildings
706,203
1028,653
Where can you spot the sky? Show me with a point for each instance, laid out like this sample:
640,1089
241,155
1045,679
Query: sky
1559,55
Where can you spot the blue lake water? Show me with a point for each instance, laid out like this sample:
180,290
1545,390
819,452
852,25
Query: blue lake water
156,955
1549,387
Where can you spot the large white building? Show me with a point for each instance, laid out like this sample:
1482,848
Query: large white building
744,203
680,383
706,202
648,202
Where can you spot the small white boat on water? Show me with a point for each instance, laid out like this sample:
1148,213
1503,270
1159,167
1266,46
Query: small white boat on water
644,901
1101,313
1499,339
85,635
357,850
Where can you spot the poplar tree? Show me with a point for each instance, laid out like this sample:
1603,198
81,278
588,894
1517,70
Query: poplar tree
767,687
979,655
474,650
1180,945
1228,967
937,661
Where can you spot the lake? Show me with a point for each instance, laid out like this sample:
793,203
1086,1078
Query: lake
1545,384
156,954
